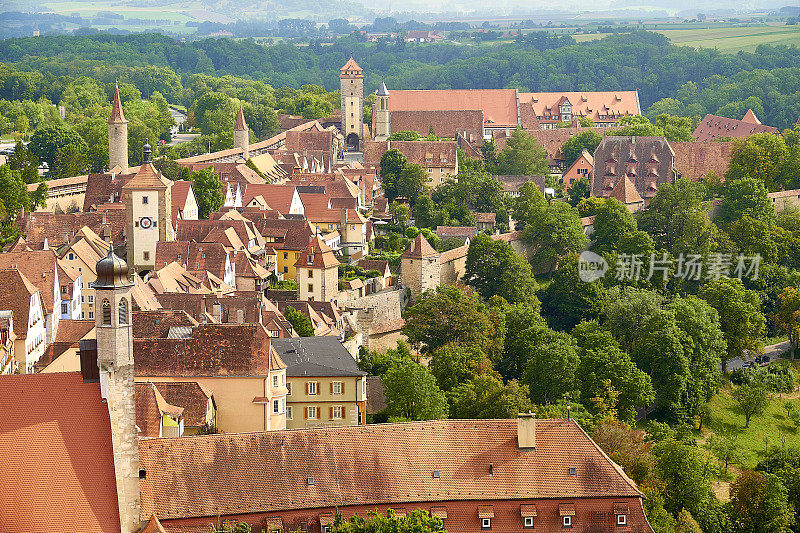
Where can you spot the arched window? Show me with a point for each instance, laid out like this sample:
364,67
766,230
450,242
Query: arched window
123,311
106,312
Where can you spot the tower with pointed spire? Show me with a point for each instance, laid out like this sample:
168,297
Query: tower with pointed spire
115,361
117,135
351,83
241,134
380,113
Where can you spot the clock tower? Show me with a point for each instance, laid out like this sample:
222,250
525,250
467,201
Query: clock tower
148,210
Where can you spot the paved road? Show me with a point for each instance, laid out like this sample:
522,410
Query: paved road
181,138
773,351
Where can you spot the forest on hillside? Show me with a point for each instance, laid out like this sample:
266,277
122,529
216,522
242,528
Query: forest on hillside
673,79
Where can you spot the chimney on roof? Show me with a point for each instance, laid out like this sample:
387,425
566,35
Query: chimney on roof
217,312
526,432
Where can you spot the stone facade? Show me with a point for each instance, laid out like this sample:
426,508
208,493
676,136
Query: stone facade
115,360
381,114
352,89
117,136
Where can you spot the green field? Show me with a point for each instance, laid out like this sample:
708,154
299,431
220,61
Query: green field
772,428
174,16
724,38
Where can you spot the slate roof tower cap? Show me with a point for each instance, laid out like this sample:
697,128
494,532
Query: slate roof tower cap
112,271
241,123
383,91
117,116
147,151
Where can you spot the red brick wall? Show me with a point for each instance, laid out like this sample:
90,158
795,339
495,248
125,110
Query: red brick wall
594,515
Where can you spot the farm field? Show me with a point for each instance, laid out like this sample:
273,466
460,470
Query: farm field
726,39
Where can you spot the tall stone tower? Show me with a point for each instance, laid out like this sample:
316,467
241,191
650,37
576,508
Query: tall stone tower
115,361
351,79
117,135
241,134
380,114
148,213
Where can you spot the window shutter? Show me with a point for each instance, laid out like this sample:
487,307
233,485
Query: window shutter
342,385
319,391
330,412
331,387
306,388
305,413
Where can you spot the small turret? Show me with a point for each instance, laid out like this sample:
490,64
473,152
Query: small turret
381,113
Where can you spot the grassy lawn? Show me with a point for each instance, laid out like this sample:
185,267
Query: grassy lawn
767,430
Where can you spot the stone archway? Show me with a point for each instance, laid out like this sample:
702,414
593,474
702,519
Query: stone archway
352,142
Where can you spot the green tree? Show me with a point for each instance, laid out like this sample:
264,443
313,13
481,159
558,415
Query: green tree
637,126
745,196
579,191
405,136
568,299
69,161
13,192
686,523
522,156
411,182
494,268
94,131
575,145
453,364
764,157
587,207
725,448
377,363
752,398
550,365
741,320
554,233
448,314
214,112
686,483
416,521
601,359
759,504
412,393
485,396
392,164
48,139
25,162
612,222
788,316
208,191
678,129
300,322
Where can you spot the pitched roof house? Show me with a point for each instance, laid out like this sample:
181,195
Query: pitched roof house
713,127
538,473
647,162
55,431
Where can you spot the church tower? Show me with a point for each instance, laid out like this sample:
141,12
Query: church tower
148,213
380,112
117,135
115,361
351,79
241,135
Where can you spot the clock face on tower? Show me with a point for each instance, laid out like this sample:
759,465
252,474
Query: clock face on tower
145,222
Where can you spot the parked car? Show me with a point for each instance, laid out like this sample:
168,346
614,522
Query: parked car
762,360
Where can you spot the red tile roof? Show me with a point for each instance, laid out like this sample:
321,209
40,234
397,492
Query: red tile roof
713,126
444,122
350,65
56,433
204,476
39,267
148,177
117,116
241,123
180,193
419,249
592,104
694,160
436,154
499,106
317,255
190,395
217,350
15,296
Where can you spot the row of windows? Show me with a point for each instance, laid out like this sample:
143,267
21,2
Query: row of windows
122,312
312,412
312,388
